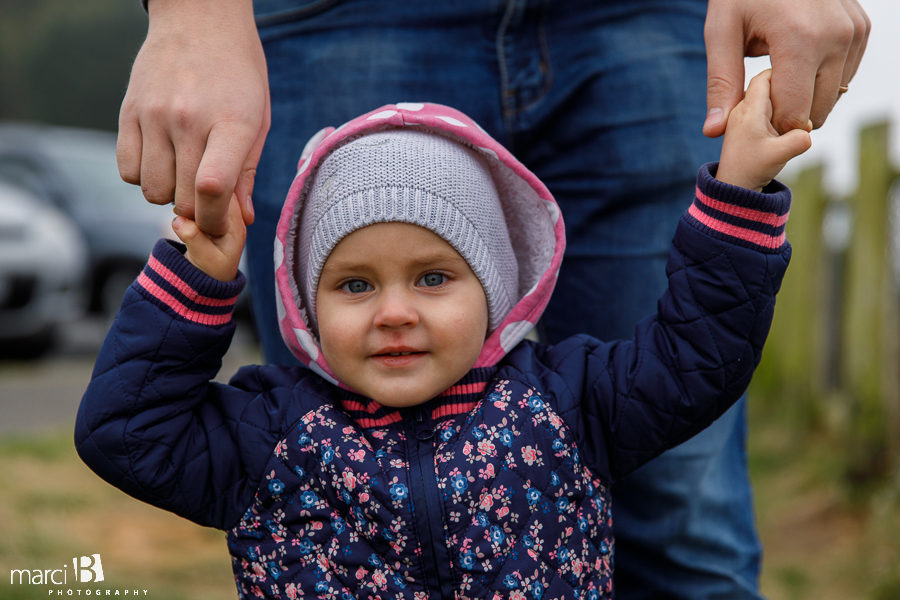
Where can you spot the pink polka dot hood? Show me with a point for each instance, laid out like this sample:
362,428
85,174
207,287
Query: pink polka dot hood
534,223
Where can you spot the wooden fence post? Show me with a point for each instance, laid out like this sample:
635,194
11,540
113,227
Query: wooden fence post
870,326
792,373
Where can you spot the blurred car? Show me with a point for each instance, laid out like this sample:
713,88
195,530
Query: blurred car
43,262
75,170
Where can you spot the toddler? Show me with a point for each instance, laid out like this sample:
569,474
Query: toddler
427,449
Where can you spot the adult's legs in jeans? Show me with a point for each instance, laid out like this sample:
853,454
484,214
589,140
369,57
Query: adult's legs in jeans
626,108
605,105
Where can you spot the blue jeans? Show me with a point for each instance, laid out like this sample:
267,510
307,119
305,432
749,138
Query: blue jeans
604,101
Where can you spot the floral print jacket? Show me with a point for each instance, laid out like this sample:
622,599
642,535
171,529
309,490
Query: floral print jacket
498,488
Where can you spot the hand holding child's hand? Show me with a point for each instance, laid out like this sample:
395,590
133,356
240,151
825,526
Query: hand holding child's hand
217,256
753,152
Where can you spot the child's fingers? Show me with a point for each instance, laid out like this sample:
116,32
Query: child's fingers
236,234
791,144
187,231
217,256
758,93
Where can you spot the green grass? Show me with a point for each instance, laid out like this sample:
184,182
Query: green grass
53,509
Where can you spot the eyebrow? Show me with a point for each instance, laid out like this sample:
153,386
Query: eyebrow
439,256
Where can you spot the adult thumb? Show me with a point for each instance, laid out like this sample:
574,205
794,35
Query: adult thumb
724,70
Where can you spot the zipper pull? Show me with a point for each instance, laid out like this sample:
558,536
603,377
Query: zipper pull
423,435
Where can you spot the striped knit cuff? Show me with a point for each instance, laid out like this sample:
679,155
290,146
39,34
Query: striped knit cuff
738,215
172,282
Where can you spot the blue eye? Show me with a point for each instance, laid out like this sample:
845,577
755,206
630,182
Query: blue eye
356,286
432,279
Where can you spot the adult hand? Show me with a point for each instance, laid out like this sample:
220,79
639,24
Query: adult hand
196,111
815,47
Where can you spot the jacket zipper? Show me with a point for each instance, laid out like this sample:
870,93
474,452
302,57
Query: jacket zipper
427,503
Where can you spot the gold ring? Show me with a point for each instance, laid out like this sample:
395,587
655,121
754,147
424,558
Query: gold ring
843,89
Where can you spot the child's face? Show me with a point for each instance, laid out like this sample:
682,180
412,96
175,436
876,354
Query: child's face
401,315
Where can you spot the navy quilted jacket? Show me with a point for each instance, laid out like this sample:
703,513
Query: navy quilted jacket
497,488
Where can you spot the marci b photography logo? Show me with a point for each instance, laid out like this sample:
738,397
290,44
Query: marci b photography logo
81,570
85,569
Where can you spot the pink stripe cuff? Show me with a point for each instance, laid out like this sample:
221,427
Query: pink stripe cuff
179,284
191,315
754,237
767,218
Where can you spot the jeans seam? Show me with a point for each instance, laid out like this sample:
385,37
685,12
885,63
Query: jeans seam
510,106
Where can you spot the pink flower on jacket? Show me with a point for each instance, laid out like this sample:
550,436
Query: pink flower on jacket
486,447
530,455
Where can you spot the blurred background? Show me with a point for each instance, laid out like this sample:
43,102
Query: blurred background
824,442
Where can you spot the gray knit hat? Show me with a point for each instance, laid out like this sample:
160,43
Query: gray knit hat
414,177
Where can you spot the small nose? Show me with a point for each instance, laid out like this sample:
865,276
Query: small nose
395,309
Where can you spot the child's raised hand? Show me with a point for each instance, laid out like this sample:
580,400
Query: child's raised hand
217,256
753,153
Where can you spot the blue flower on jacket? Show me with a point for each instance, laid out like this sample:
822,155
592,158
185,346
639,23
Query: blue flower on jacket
400,581
321,586
388,535
562,504
528,540
554,478
446,434
305,546
273,569
459,483
398,491
593,595
562,555
337,524
304,440
467,560
276,486
604,548
477,433
482,519
375,560
506,437
347,596
298,470
497,535
537,590
583,524
327,454
558,444
533,495
535,404
308,499
510,581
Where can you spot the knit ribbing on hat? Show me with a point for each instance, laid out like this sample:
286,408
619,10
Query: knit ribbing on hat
411,177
